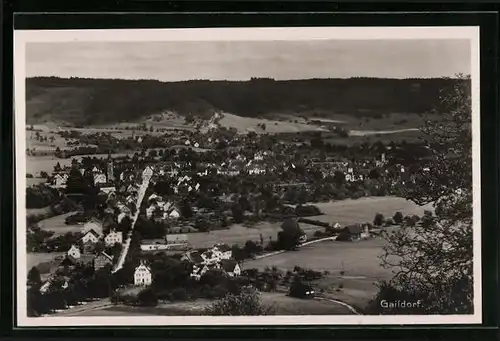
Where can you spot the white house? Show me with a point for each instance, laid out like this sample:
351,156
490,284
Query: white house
99,178
209,257
74,252
92,225
147,173
231,267
150,211
174,214
108,189
114,237
90,237
223,251
59,181
143,275
154,244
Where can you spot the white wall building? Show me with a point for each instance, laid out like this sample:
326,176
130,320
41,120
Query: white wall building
114,237
143,275
74,252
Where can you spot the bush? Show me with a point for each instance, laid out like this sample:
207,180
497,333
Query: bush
247,303
378,220
147,298
398,218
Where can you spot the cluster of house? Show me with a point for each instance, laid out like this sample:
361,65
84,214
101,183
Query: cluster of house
84,253
219,257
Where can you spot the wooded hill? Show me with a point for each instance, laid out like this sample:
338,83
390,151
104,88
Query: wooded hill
97,101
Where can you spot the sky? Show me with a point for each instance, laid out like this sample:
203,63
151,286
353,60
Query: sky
241,60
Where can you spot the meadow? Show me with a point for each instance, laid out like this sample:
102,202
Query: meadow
352,211
280,303
57,224
353,268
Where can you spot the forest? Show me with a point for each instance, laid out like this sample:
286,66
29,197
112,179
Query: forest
81,101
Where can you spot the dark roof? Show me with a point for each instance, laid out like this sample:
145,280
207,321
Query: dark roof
223,247
228,264
196,257
105,255
354,229
93,232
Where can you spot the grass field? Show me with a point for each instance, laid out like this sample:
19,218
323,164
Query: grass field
363,210
280,303
57,224
37,164
246,124
358,261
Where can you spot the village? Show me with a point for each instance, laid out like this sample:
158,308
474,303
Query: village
136,209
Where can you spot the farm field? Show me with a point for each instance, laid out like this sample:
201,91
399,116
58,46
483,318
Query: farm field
57,224
246,124
354,267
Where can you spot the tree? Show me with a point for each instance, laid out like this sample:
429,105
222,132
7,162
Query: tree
34,277
76,183
186,209
435,261
237,212
398,218
379,219
247,303
289,236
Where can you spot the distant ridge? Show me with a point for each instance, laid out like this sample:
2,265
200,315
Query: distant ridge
98,101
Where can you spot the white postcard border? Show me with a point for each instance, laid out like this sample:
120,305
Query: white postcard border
21,37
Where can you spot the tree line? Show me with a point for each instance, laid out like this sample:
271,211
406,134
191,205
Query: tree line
111,100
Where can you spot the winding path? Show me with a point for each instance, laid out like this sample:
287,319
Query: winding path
351,308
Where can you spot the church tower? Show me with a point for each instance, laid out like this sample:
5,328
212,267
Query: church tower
110,170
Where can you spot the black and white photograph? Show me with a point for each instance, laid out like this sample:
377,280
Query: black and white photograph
248,176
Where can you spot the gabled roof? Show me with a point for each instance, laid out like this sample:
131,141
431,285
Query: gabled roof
223,247
92,231
228,265
196,257
142,265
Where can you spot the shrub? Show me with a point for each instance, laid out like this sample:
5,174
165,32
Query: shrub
378,220
398,218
